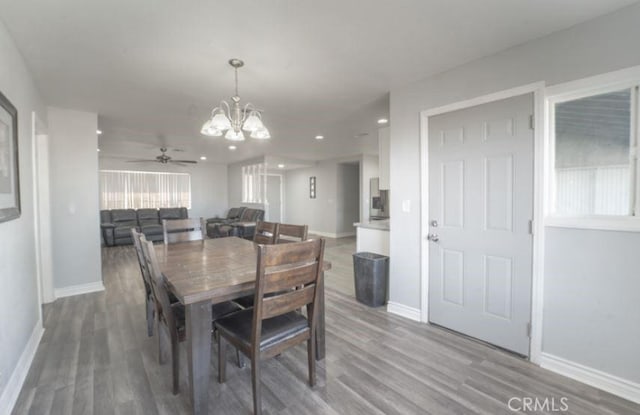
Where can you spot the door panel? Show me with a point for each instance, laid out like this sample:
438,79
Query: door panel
481,199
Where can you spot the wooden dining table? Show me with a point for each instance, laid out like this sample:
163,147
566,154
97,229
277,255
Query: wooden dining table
201,273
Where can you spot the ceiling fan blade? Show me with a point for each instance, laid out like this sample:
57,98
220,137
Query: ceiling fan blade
142,161
183,161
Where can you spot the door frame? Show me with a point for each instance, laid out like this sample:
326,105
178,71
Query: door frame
540,168
42,219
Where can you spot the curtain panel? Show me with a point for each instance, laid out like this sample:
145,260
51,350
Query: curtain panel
122,189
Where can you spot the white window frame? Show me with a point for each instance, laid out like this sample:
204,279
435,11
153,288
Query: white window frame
254,183
601,84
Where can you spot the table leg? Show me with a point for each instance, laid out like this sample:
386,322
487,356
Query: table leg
320,337
198,320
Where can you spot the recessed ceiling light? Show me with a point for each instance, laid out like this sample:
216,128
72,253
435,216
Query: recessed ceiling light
203,158
383,121
232,147
319,137
281,166
98,132
98,150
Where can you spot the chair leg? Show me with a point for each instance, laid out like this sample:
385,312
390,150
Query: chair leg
175,364
240,359
222,359
150,316
255,383
162,345
311,358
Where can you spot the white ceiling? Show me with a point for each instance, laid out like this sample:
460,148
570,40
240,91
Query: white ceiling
153,69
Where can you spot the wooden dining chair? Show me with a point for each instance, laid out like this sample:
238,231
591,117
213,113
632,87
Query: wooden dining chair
171,316
183,230
274,325
291,233
266,232
149,300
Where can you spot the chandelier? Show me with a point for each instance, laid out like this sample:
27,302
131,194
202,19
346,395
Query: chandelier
234,119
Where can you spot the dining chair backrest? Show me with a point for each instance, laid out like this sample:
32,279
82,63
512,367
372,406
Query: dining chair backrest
158,284
287,280
266,233
291,233
144,270
183,230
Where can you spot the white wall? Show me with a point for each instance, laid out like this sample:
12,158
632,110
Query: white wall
602,45
74,198
19,294
208,183
368,170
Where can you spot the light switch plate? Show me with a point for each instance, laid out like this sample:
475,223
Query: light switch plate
406,206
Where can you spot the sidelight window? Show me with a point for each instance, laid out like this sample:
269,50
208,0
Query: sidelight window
595,164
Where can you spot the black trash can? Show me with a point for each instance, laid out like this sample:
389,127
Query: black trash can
370,274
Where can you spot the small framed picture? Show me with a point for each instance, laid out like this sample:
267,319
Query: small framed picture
9,180
312,187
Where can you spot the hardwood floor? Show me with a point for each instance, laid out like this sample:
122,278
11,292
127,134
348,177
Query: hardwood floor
95,358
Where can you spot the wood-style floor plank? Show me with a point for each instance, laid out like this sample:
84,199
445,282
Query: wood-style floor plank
95,358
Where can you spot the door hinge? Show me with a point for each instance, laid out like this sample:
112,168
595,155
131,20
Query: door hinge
529,330
532,122
530,227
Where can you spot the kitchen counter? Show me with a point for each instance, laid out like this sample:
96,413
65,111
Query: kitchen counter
373,236
382,225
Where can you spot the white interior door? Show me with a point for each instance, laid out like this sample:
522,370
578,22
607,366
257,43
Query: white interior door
274,198
480,208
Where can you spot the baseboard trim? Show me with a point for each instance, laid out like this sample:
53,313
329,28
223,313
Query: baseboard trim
404,311
91,287
593,377
19,375
333,235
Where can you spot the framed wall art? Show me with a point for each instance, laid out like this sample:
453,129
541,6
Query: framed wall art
312,187
9,177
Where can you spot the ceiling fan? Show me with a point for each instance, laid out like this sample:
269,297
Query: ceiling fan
164,159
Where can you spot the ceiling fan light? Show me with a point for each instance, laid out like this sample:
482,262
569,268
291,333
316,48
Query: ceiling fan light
253,122
261,134
234,136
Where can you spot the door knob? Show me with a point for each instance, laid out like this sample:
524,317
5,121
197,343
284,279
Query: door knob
433,237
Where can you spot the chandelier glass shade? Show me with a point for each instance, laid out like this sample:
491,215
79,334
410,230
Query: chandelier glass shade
234,118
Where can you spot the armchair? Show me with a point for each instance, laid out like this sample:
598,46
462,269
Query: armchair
233,215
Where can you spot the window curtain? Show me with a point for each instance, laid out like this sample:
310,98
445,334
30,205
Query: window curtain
121,189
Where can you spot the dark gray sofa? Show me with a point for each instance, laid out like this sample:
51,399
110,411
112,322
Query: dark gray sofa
233,215
116,224
243,227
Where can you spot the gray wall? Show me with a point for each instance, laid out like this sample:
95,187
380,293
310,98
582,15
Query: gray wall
347,198
19,293
318,213
74,197
208,183
602,45
592,299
